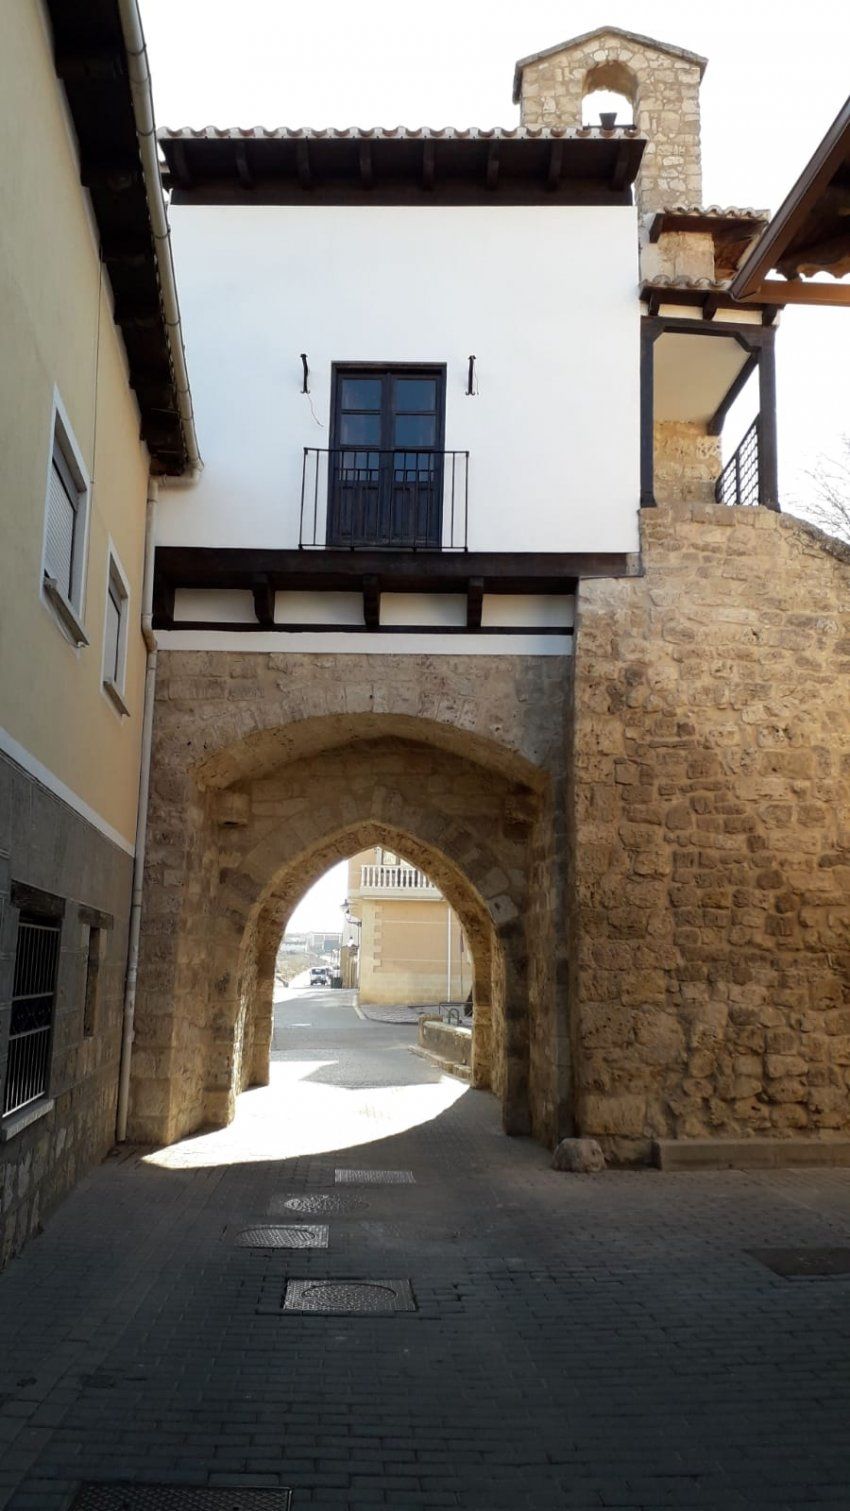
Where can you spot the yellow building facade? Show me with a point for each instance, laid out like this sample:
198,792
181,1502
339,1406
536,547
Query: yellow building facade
409,942
84,332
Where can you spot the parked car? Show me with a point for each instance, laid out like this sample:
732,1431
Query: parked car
320,976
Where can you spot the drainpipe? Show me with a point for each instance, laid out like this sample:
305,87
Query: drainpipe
141,819
140,87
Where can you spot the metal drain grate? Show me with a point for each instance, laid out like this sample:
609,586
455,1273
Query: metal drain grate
343,1202
122,1496
335,1298
374,1177
804,1264
315,1237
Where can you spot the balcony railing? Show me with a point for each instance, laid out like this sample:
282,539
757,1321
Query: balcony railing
740,482
396,500
405,879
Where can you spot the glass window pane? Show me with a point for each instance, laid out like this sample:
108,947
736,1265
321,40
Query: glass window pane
414,430
362,429
415,393
360,393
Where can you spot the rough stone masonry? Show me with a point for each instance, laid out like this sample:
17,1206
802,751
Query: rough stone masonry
710,918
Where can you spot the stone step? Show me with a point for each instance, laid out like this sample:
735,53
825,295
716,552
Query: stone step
748,1154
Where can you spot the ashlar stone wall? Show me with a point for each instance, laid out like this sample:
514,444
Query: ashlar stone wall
710,918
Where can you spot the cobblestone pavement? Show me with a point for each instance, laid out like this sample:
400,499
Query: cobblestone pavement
579,1341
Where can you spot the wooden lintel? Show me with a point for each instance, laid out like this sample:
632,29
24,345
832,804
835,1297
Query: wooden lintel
372,602
798,292
367,171
181,164
263,602
429,155
493,166
94,64
116,177
620,174
474,602
556,161
243,166
302,165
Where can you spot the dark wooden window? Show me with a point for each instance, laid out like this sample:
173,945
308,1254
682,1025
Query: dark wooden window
386,457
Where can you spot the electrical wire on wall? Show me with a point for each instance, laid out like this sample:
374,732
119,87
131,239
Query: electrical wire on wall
305,389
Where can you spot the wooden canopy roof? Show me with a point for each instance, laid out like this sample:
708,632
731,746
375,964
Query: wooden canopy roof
809,234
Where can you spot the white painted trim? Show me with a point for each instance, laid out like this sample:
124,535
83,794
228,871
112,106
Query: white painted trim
327,643
16,752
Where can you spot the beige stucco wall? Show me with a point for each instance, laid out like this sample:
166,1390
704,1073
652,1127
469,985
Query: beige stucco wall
49,281
403,952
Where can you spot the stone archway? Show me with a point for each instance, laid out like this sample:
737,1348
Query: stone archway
253,798
497,1064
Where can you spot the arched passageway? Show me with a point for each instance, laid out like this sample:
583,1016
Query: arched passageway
241,832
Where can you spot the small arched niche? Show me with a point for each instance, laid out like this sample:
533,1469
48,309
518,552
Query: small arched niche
610,88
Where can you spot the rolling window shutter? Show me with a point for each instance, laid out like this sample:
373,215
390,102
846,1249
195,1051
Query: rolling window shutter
62,507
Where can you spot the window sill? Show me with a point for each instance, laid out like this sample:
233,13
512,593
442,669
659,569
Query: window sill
15,1122
64,612
114,695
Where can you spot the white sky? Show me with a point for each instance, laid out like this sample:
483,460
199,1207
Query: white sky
321,907
777,76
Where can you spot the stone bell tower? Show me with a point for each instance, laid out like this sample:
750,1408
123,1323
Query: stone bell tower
661,82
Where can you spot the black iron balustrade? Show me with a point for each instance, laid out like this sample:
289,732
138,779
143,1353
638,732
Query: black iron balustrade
740,482
33,995
400,499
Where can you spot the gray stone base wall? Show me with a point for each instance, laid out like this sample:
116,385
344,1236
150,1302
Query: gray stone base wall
47,847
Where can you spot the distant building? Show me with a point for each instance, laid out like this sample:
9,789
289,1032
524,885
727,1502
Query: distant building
408,942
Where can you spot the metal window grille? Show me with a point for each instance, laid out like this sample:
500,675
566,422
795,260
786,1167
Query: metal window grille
33,998
740,480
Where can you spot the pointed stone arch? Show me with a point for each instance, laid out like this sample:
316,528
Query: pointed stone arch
259,789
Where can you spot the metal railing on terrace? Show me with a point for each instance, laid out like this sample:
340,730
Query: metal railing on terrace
742,481
405,879
392,500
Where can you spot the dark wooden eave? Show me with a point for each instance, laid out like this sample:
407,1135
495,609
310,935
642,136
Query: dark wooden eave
370,573
809,234
91,62
707,300
521,166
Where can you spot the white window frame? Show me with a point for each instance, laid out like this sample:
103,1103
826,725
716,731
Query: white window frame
116,578
68,610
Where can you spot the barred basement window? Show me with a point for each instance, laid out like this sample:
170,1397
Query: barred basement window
33,1001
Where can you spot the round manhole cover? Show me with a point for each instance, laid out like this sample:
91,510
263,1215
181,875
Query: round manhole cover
337,1297
323,1203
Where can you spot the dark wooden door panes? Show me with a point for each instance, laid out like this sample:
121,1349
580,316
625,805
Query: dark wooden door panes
386,461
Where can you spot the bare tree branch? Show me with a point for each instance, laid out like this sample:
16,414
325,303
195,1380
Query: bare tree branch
828,506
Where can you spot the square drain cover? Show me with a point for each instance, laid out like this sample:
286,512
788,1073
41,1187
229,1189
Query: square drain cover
343,1201
312,1237
801,1264
339,1298
374,1177
128,1497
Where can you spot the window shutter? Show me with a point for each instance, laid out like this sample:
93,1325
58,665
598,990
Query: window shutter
61,524
111,668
